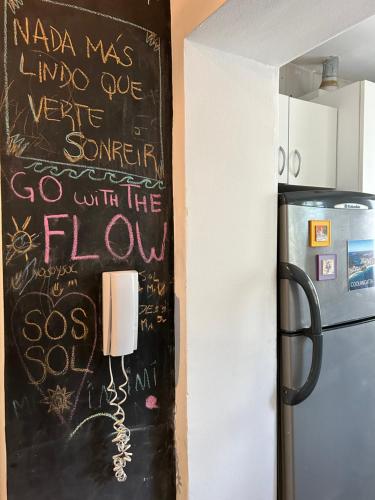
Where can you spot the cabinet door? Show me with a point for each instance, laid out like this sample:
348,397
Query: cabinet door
283,151
312,144
347,100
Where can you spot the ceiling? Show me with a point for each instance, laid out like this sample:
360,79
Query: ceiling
355,48
274,32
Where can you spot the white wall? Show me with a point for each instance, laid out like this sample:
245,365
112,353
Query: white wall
231,274
186,16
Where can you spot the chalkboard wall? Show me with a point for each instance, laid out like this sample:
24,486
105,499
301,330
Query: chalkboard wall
86,188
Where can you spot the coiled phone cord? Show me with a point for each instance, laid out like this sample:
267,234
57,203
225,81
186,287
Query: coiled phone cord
122,437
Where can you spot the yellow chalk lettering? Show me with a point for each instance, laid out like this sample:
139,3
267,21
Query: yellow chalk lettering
24,32
38,329
58,315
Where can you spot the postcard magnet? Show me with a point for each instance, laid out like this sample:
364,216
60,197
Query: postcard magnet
361,260
320,233
326,267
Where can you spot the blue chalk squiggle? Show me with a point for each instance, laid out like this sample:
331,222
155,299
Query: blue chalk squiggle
114,176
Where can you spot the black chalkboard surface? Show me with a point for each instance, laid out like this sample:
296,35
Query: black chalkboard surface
86,188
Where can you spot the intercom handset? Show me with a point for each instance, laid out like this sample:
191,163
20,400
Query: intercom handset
120,313
120,338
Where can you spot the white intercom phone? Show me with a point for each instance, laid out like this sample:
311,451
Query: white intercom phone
120,338
120,313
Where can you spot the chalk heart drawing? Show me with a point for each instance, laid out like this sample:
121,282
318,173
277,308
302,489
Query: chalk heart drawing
55,340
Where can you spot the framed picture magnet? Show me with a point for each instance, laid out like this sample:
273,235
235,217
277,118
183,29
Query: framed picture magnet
326,267
320,233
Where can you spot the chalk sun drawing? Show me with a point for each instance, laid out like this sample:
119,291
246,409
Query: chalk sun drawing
58,400
21,241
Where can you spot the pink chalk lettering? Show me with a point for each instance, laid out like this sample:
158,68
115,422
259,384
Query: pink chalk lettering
139,203
43,181
114,220
129,187
112,199
74,255
30,191
85,201
153,255
155,203
48,233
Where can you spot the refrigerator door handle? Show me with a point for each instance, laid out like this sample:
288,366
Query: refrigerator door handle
314,333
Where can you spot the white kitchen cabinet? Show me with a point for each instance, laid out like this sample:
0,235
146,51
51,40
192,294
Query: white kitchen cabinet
356,132
312,138
283,152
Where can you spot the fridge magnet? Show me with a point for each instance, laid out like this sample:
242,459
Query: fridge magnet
327,267
320,233
361,264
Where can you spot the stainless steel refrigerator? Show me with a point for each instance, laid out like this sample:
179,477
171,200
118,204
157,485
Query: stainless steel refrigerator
326,346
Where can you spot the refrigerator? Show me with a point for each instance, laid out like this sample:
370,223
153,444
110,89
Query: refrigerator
326,346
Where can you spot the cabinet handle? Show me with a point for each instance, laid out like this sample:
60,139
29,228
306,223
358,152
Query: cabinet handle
298,154
283,154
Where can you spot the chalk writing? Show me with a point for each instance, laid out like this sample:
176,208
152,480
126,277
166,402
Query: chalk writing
152,316
143,380
54,338
49,188
54,271
103,397
87,180
101,197
119,223
150,283
146,379
72,67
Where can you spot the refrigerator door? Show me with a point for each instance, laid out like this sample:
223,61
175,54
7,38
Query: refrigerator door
338,303
328,441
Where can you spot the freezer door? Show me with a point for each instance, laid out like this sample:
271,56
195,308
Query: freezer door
327,447
338,304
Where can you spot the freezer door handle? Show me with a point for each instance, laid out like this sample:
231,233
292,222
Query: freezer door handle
314,333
